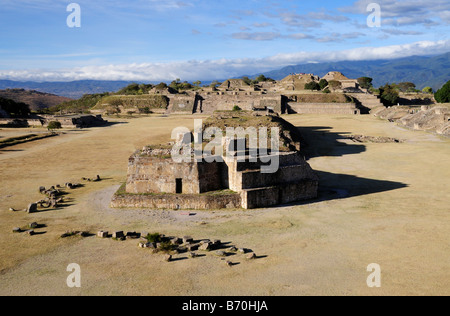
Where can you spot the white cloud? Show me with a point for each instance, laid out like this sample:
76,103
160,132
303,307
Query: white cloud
404,12
256,36
222,68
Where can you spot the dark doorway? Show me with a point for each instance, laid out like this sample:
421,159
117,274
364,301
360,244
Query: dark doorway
179,186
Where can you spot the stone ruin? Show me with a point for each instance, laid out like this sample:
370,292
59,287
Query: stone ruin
67,121
273,96
435,119
156,181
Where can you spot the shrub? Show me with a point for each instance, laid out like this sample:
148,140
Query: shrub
365,82
428,90
14,108
54,125
167,247
156,237
406,87
312,86
236,108
161,86
323,83
334,84
443,94
389,95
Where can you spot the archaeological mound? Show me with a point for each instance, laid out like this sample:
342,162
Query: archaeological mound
236,176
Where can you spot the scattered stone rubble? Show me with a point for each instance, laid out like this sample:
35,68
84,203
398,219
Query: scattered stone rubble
53,195
171,246
29,229
371,139
434,119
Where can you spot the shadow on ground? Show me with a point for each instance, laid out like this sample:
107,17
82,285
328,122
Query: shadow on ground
334,186
319,141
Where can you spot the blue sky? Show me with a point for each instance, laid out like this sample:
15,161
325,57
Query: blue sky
152,40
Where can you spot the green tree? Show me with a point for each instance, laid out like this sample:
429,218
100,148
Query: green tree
365,82
389,94
428,90
54,125
175,84
312,86
13,108
161,86
185,86
443,94
323,83
407,87
247,80
131,89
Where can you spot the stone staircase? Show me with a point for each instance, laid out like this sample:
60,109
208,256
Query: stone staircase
366,101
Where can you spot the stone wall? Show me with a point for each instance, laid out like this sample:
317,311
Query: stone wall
276,195
158,175
183,103
155,180
225,101
178,201
323,108
11,122
284,175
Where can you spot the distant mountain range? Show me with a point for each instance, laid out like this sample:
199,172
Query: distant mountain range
73,89
431,71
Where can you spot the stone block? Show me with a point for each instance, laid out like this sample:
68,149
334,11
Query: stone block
192,247
118,234
251,256
32,208
102,234
205,247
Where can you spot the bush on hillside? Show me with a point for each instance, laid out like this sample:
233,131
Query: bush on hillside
443,94
365,82
312,86
389,95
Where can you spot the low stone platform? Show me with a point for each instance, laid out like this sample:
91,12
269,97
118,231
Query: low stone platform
177,201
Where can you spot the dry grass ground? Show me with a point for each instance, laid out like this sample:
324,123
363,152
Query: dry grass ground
380,203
